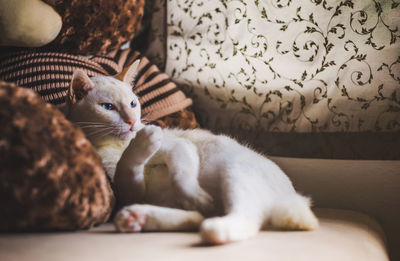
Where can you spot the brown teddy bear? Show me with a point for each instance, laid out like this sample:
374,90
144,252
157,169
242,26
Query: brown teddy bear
51,178
96,27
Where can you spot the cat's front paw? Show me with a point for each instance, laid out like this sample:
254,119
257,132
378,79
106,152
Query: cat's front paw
130,220
150,137
146,143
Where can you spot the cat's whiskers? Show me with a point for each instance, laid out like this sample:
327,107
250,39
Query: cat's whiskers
94,127
100,131
90,124
105,134
144,119
120,129
145,116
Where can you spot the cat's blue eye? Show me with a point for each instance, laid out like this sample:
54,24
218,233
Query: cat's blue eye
108,106
133,104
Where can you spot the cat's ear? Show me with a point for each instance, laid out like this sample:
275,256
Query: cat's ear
129,74
79,87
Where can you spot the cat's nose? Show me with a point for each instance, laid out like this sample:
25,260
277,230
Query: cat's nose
131,122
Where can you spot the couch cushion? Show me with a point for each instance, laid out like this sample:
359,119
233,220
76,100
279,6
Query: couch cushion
49,73
343,235
367,186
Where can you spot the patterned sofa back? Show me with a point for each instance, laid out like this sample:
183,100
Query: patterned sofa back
294,78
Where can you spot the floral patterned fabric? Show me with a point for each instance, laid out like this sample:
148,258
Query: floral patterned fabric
277,70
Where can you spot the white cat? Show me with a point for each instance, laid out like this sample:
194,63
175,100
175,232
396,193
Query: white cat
174,180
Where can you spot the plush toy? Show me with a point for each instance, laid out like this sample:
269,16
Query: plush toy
22,23
70,193
50,176
96,27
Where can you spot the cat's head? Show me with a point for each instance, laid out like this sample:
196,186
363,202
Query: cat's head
105,106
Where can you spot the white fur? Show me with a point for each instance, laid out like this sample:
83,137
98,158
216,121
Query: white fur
174,178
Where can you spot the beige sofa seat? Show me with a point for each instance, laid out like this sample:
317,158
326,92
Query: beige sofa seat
343,235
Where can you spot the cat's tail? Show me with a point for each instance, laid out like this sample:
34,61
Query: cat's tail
294,212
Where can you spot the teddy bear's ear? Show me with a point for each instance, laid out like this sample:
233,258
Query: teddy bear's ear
128,75
31,23
79,87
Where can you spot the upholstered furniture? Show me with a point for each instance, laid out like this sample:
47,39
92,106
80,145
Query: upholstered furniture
343,235
314,84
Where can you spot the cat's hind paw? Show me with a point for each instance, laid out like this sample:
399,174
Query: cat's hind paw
214,232
204,202
227,229
199,200
129,220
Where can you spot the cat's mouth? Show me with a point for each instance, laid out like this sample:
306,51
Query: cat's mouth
124,135
130,132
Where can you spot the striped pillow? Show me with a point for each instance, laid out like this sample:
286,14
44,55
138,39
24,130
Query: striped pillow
49,73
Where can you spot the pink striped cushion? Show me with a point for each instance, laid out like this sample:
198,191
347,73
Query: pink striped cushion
49,73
